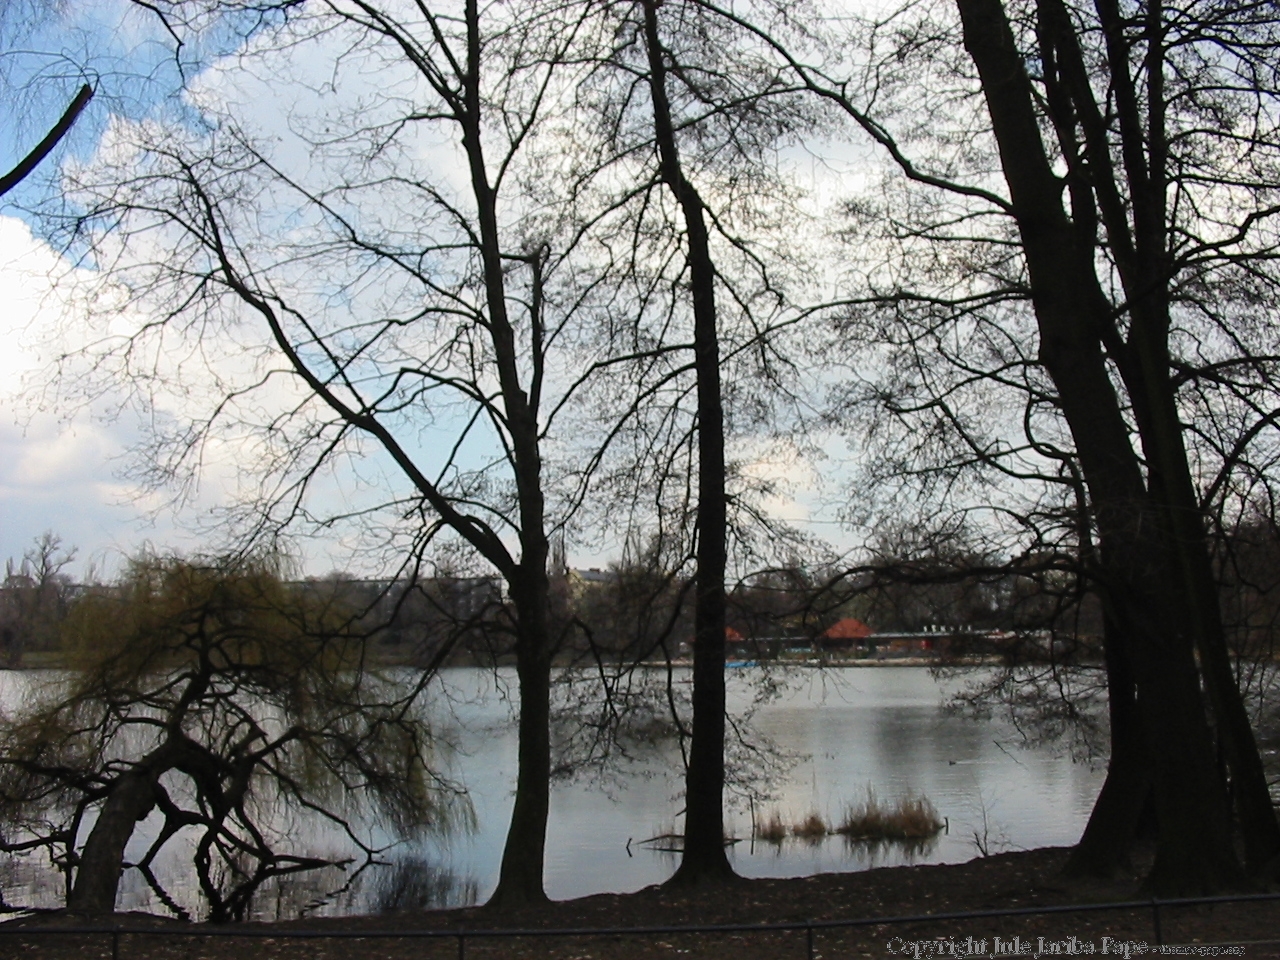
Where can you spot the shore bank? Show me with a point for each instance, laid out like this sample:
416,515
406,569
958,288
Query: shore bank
1027,879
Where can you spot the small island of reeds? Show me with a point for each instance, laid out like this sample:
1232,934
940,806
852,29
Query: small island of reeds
910,818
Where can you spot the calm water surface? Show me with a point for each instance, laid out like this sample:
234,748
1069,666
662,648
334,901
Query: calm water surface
847,730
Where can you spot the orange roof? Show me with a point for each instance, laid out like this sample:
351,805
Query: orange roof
850,628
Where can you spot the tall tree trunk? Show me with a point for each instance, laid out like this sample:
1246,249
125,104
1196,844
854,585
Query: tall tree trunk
1199,598
1140,580
1140,248
1113,824
520,879
98,873
704,855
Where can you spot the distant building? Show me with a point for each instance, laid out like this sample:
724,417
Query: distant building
843,636
850,628
907,644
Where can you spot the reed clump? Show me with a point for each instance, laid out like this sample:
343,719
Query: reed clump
911,818
812,828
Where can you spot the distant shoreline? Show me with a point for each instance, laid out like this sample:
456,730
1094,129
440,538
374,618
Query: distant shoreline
55,661
986,661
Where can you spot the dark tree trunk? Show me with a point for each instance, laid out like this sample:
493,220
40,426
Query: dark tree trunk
520,878
1199,598
1117,813
1139,570
704,856
1140,248
98,873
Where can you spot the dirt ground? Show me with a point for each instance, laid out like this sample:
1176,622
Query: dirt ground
1015,880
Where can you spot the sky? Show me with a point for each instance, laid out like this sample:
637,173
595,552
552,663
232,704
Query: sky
58,465
55,469
63,464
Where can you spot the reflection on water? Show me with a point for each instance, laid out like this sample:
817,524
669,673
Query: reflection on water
855,728
913,850
412,883
884,729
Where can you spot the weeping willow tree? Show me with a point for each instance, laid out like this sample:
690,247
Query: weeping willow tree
212,698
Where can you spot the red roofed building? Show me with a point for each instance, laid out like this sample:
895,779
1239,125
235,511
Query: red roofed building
850,628
843,635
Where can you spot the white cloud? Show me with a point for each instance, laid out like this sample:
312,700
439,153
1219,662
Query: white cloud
26,270
56,472
51,458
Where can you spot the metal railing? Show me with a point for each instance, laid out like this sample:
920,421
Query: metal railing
116,930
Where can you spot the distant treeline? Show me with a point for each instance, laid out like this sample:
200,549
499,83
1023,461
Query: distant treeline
1025,608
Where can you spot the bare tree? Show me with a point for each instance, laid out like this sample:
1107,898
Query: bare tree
410,271
34,598
695,126
703,851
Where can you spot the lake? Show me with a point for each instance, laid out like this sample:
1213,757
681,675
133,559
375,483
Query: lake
845,730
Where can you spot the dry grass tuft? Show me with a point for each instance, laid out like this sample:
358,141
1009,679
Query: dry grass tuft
912,818
812,828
